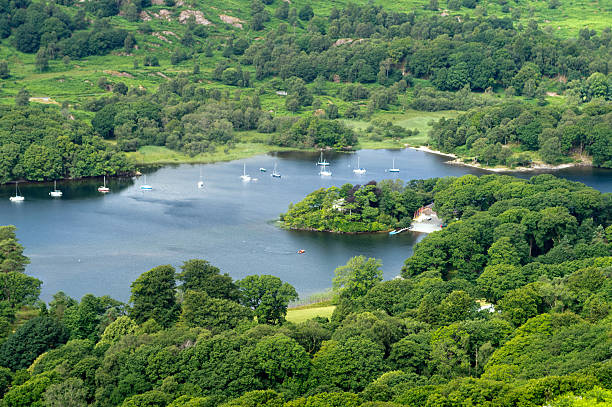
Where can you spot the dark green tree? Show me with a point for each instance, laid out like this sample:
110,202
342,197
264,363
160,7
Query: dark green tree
200,275
154,296
267,296
36,336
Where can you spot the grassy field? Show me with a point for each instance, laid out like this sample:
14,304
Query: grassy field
301,314
149,155
409,119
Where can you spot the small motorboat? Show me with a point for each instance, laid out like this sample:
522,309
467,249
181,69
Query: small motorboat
262,169
301,251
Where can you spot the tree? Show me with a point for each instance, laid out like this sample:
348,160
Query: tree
120,327
348,366
306,13
83,319
30,340
22,98
519,305
457,306
214,314
282,361
154,296
200,275
42,60
70,393
120,88
282,12
4,70
497,279
11,252
129,42
355,279
267,296
26,38
17,289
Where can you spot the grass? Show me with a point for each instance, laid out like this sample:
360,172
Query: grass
301,314
150,155
409,119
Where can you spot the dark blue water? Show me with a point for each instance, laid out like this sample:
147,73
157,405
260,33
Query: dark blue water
87,242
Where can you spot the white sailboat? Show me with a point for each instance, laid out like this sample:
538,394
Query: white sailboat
17,197
325,172
201,181
359,170
322,162
104,189
145,186
56,193
245,177
394,169
275,174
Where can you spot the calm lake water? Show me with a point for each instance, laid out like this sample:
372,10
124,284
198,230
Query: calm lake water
87,242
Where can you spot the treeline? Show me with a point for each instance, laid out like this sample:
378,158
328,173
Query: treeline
372,207
184,116
369,44
489,134
510,305
41,142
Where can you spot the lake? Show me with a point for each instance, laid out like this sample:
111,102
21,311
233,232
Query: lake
87,242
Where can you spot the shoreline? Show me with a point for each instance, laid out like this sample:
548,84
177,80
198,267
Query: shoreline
456,160
335,232
71,180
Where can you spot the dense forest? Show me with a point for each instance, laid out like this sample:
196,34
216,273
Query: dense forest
490,134
41,143
507,306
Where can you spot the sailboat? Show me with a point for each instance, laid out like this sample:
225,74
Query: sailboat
200,182
245,177
145,186
359,170
322,162
274,173
325,172
56,193
394,169
17,197
104,189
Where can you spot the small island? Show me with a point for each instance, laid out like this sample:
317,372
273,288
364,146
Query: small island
370,208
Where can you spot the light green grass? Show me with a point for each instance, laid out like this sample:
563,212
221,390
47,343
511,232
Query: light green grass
151,155
297,315
409,119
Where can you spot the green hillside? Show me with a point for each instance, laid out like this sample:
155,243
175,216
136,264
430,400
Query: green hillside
203,81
